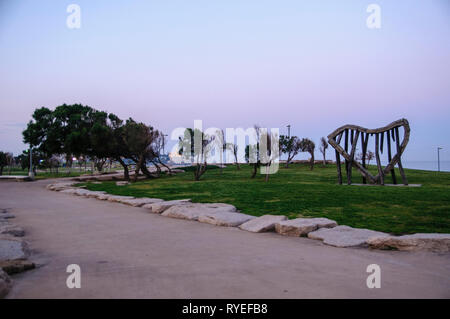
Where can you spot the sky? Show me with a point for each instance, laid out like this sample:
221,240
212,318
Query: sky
232,63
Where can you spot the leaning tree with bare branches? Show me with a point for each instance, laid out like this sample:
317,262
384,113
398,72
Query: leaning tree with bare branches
234,149
323,149
196,146
290,146
307,145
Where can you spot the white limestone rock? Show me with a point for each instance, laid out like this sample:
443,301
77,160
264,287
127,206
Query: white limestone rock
224,218
71,191
118,198
302,226
160,207
262,224
181,213
5,284
81,192
416,242
5,216
13,248
221,206
102,196
94,194
138,202
60,186
345,236
11,229
193,211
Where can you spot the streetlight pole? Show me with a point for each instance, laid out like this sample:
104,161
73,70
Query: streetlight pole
439,160
163,142
289,130
30,173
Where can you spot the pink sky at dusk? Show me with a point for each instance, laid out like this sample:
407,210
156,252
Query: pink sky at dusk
312,64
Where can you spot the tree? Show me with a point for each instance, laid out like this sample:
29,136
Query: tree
252,157
82,132
307,145
323,148
39,131
101,140
72,126
255,155
118,149
9,161
197,146
268,156
3,161
290,146
139,137
252,152
157,151
66,130
223,148
201,153
24,159
54,162
234,149
369,156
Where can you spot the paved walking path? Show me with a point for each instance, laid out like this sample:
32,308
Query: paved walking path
126,252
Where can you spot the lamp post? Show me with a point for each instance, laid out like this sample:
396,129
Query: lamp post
439,160
163,143
289,131
30,172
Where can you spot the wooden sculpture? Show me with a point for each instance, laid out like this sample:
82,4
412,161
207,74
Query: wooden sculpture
352,133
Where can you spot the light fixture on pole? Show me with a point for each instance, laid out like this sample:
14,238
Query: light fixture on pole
439,160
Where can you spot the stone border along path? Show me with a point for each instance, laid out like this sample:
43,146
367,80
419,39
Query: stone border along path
221,214
13,251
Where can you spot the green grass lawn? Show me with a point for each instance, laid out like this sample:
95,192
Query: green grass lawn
299,192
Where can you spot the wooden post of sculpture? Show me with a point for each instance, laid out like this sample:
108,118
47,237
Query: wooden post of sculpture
346,150
377,156
364,142
392,131
352,155
400,166
388,139
338,161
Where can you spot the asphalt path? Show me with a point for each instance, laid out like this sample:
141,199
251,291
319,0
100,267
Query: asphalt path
127,252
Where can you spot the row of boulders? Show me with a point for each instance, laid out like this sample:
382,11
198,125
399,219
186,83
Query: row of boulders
13,251
118,176
221,214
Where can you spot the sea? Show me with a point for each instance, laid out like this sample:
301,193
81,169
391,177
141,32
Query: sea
427,165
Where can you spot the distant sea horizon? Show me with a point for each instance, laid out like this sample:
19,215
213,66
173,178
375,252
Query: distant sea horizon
427,165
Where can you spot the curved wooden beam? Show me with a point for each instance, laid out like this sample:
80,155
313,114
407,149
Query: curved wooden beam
390,128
